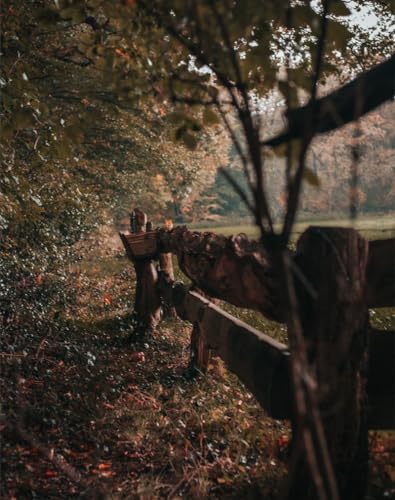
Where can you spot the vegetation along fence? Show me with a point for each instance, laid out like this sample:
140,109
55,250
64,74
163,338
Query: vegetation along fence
338,277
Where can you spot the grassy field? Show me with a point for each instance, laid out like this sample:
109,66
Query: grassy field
377,227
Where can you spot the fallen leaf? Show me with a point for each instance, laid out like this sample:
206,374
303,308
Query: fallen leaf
137,356
104,466
107,299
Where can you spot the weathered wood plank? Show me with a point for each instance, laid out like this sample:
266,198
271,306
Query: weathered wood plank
335,328
380,273
381,380
233,269
142,245
259,361
166,266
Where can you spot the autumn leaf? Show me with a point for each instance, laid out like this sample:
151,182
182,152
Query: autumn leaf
39,279
108,473
107,299
137,356
104,466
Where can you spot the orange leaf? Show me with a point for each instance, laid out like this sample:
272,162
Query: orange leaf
108,473
107,299
137,356
104,466
107,405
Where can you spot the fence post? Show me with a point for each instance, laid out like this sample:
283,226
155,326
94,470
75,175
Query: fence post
147,304
335,325
166,265
200,354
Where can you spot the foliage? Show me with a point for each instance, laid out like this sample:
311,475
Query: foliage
75,151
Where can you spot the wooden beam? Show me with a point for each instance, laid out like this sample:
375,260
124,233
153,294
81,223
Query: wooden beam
233,269
361,95
241,271
141,248
335,329
260,362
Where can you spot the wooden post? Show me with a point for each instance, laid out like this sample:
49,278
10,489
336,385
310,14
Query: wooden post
166,265
335,325
200,354
147,304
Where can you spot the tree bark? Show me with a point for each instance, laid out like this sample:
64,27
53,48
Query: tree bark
335,326
233,269
166,265
147,305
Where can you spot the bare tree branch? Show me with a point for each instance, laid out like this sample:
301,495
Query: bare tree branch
338,108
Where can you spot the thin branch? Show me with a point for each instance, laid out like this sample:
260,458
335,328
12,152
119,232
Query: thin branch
251,133
338,108
309,130
236,186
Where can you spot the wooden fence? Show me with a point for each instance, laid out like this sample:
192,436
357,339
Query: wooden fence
339,276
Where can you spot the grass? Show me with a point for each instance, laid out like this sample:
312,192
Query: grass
90,412
371,227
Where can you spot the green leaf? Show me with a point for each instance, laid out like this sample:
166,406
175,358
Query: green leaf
337,34
300,78
76,13
311,177
177,117
210,117
22,119
303,15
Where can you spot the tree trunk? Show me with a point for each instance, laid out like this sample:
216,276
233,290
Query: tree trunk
334,318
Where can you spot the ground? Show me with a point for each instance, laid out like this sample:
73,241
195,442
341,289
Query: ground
90,412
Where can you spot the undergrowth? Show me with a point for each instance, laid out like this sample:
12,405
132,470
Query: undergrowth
90,412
